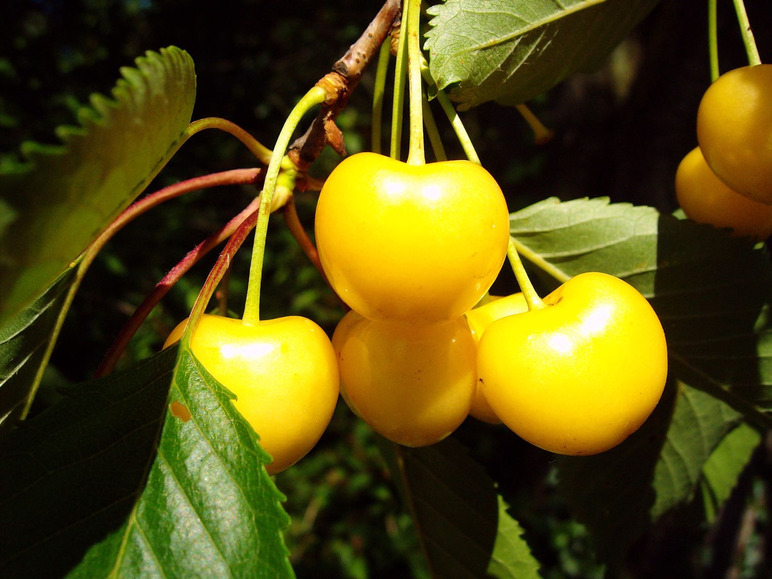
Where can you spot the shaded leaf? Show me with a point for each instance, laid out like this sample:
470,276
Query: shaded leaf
511,51
64,196
24,344
658,468
72,474
700,422
461,519
209,507
722,469
612,493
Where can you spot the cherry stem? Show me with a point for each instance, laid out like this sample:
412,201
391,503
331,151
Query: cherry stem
541,134
315,96
416,154
529,293
452,114
297,230
219,270
262,153
713,40
232,177
379,90
431,129
169,280
395,150
747,33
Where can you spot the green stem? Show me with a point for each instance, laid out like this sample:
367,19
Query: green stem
262,153
747,33
434,134
313,97
529,293
380,88
713,40
415,155
395,150
452,114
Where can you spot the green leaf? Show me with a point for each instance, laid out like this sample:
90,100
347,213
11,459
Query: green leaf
72,474
24,347
65,195
656,469
511,51
209,507
461,519
698,424
721,470
710,290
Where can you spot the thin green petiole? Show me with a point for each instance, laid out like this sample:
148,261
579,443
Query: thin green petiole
452,114
529,293
713,40
261,152
434,134
416,154
395,149
312,98
380,88
747,33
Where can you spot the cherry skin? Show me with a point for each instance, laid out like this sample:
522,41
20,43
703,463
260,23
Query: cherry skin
704,198
479,318
580,375
734,130
416,243
283,373
413,384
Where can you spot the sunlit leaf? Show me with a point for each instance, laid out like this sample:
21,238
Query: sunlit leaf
53,206
209,507
511,51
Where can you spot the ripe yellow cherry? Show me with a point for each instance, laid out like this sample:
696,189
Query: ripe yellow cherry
413,384
581,374
734,130
479,318
417,243
706,199
283,373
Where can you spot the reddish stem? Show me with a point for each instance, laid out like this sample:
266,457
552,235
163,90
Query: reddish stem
232,177
222,265
297,230
162,288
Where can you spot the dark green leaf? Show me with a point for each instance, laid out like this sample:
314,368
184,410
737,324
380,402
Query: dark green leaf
655,470
721,470
209,508
462,521
512,51
613,493
59,201
72,474
24,344
698,425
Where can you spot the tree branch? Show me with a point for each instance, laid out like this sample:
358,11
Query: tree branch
339,84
